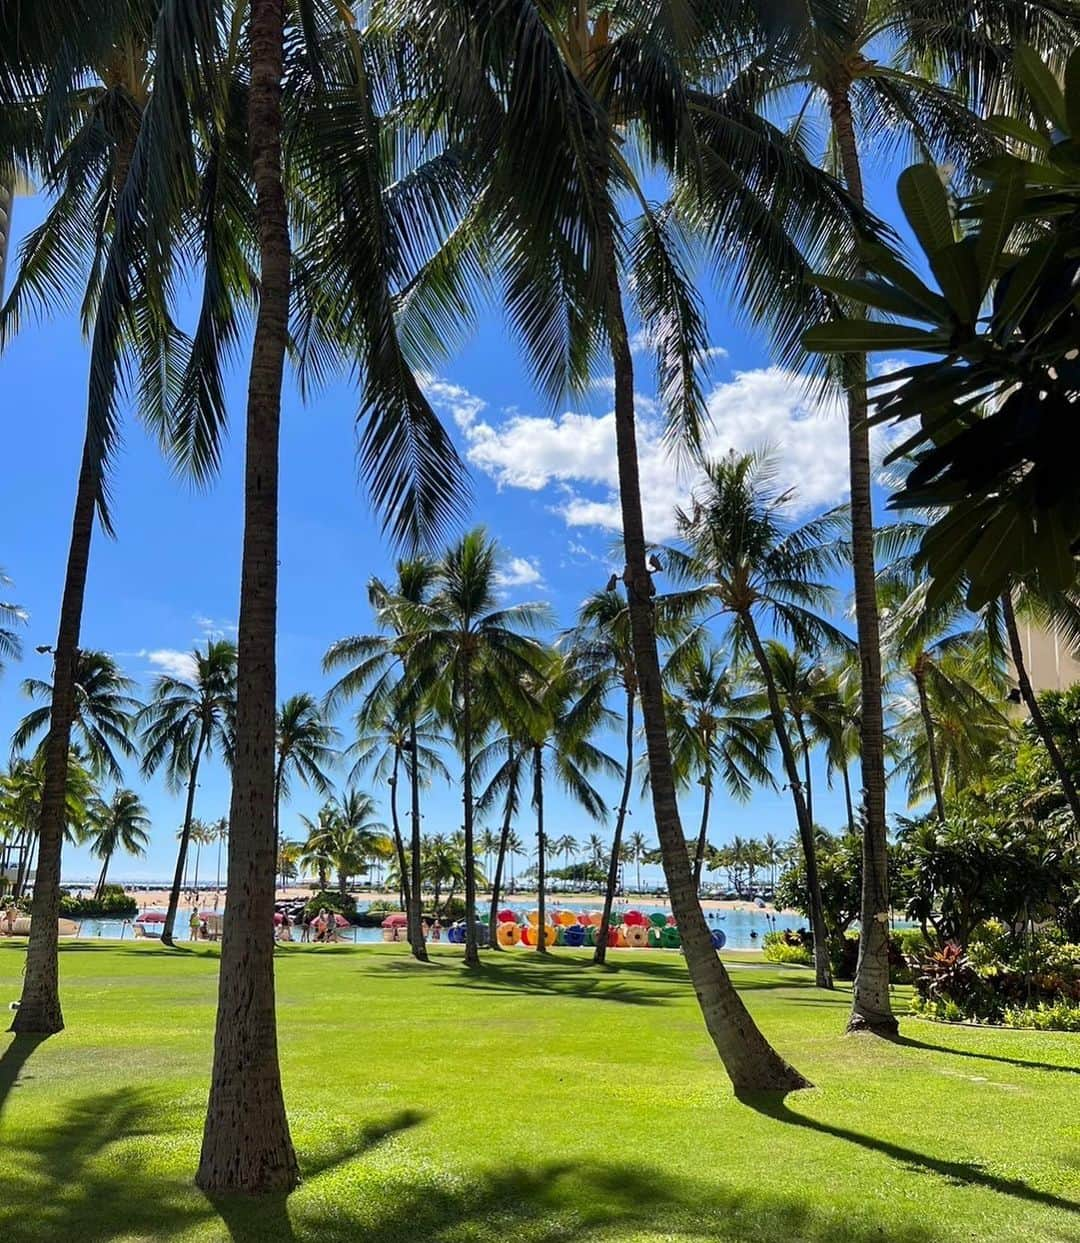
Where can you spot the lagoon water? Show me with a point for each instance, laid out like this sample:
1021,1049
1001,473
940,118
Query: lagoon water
744,928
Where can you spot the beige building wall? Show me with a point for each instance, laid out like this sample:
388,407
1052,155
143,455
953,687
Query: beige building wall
1051,665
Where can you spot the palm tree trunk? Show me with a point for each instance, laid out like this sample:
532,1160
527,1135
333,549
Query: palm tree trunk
399,844
22,845
496,884
279,777
699,850
39,1006
847,803
169,927
748,1058
246,1144
415,908
807,772
871,1008
822,968
931,743
101,879
7,202
538,798
1027,693
472,953
600,952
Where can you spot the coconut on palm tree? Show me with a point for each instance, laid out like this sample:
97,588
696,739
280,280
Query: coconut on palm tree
754,567
119,823
185,722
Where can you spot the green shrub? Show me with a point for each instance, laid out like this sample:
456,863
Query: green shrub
113,903
1058,1016
332,900
383,906
786,947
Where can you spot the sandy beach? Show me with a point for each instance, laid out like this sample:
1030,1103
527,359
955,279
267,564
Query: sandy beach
211,899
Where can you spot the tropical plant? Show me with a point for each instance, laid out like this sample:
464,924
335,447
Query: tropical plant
637,850
509,755
715,733
119,823
469,653
102,717
185,720
750,564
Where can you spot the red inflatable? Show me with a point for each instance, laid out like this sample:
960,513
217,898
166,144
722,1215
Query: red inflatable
506,917
635,919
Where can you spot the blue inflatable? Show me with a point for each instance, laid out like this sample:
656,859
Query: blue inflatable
574,936
718,939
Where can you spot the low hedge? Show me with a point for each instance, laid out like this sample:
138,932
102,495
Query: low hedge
114,903
331,900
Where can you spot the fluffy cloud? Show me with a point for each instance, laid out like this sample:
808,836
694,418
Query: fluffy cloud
169,660
215,627
575,452
520,572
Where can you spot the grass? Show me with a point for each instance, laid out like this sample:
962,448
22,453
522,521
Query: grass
535,1102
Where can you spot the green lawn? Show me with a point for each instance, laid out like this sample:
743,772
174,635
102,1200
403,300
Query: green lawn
532,1102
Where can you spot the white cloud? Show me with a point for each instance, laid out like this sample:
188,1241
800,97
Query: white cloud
463,406
215,627
575,453
169,660
520,572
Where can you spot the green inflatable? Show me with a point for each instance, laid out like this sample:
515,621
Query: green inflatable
670,939
658,919
590,935
655,938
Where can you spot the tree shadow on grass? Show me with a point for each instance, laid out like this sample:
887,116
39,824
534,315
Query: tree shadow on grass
959,1172
12,1061
105,1169
911,1043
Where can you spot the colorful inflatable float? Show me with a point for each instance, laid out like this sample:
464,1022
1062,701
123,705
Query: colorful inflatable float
628,929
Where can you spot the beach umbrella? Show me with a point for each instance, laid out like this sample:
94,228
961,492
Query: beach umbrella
397,920
151,917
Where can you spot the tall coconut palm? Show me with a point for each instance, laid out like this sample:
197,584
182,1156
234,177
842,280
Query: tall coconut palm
637,848
186,719
752,565
346,836
119,823
509,755
555,716
554,90
471,653
104,710
314,855
714,733
220,830
378,666
875,72
303,749
11,615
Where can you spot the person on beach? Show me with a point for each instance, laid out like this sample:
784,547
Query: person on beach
321,925
397,933
305,928
194,923
11,912
436,932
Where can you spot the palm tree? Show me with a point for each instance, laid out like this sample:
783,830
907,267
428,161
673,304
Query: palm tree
378,665
773,850
118,824
314,855
102,718
856,65
558,84
555,715
713,733
750,563
515,848
11,615
185,720
637,848
303,749
953,662
468,651
505,785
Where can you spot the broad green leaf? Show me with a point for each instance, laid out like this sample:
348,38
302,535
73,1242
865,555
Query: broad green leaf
859,336
1072,94
880,296
1012,127
1023,283
1041,85
958,275
926,206
998,214
881,260
1054,560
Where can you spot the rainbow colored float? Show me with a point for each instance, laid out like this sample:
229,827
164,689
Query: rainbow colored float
628,929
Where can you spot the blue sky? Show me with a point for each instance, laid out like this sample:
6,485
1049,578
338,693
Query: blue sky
542,484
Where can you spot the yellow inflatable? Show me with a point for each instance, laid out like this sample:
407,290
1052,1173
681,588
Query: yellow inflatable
508,934
533,917
637,936
564,918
